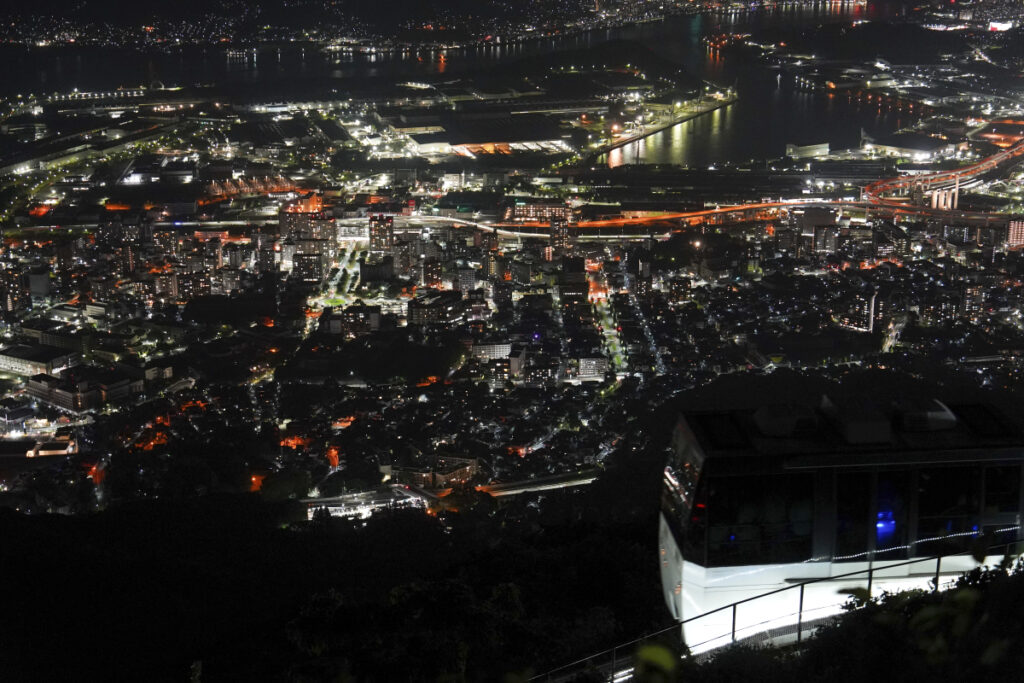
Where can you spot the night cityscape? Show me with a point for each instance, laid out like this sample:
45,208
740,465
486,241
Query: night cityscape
512,340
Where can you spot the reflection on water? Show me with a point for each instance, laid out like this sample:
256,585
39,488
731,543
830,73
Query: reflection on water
769,113
94,68
698,142
758,126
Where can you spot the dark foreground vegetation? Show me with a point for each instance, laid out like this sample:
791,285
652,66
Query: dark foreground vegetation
239,588
233,587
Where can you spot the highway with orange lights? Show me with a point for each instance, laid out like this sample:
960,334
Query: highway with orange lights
877,190
885,197
876,199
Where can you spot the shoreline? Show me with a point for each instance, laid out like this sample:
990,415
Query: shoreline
657,128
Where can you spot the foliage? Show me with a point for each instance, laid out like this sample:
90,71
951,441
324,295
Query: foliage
229,581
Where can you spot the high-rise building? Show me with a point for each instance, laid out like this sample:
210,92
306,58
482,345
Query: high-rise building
14,291
129,259
826,239
560,236
431,273
166,286
1015,234
377,268
213,256
382,234
857,311
467,280
974,300
109,234
574,270
167,241
288,251
193,285
501,294
494,266
497,371
308,267
309,226
268,255
235,255
40,284
230,280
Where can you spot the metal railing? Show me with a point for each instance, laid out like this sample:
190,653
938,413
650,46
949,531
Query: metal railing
724,626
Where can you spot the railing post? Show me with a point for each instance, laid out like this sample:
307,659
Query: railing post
800,616
938,568
615,651
734,622
871,578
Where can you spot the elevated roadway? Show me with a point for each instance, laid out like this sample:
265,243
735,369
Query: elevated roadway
880,191
888,196
632,228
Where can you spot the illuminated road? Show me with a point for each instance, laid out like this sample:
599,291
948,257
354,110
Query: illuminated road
743,212
876,192
886,197
876,199
558,481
